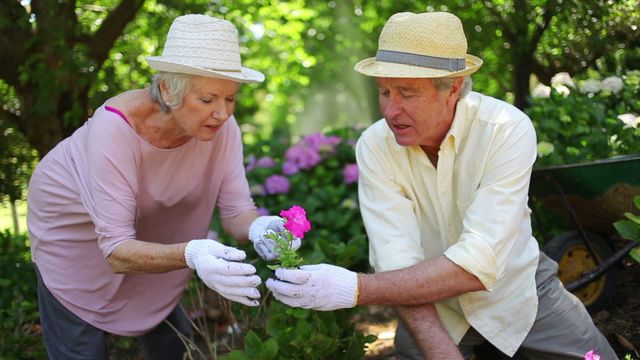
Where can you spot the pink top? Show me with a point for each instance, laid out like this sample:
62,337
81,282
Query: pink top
105,184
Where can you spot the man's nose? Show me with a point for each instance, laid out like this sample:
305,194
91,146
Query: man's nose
391,109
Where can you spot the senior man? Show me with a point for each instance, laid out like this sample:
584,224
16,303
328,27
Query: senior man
444,178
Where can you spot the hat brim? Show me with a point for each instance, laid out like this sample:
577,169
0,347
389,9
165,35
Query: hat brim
373,67
246,75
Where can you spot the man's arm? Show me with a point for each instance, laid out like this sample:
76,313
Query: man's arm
330,287
425,326
426,282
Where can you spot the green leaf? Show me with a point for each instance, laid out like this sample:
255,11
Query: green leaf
252,344
628,229
235,355
635,253
632,217
269,349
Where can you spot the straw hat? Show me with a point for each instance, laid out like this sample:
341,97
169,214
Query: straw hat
425,45
204,46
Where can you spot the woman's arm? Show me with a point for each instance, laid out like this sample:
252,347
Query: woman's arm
135,257
238,226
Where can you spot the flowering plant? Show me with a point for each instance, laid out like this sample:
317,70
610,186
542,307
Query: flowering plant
297,225
591,355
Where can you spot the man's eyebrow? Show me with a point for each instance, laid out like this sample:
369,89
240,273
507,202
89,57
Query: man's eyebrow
409,88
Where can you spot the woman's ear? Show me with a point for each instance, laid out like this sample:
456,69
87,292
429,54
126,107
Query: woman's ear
164,91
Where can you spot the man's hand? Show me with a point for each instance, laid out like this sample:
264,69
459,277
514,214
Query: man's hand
217,265
319,287
265,247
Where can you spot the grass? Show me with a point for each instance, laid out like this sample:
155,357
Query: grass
6,221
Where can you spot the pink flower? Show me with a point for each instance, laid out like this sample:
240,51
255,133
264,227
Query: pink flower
304,157
591,355
277,184
350,173
297,222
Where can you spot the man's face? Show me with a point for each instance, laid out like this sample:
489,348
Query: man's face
416,112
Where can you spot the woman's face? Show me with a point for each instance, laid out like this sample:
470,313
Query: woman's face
206,107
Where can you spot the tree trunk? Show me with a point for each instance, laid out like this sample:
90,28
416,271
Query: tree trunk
14,217
521,80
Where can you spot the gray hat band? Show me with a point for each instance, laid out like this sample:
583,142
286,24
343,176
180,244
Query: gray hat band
450,64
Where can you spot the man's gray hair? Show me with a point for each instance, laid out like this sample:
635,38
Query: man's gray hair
443,84
177,85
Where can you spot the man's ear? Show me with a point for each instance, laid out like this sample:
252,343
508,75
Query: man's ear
455,91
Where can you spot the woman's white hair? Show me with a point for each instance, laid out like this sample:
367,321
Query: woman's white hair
443,84
177,86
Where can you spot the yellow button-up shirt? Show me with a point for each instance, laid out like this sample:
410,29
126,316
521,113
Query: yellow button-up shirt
472,208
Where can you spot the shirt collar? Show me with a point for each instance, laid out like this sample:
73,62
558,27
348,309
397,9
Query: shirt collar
458,125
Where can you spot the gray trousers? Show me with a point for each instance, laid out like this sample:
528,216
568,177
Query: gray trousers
563,328
68,337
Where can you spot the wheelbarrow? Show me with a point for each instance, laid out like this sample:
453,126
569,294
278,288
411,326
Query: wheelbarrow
574,207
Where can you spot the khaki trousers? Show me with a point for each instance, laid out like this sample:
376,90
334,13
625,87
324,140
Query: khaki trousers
563,328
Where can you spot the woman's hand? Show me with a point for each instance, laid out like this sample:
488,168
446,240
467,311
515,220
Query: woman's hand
220,269
265,247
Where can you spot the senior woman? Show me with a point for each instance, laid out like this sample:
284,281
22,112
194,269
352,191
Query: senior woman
119,212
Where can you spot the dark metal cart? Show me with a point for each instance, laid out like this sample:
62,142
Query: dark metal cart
587,199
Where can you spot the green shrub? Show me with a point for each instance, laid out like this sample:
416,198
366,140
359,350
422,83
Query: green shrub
19,328
319,174
595,119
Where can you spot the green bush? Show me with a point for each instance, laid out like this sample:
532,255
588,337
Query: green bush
595,119
319,174
19,328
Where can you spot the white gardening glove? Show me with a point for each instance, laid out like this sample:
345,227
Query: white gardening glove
218,267
264,246
319,287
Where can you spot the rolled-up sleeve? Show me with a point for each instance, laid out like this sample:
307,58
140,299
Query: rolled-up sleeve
388,215
493,219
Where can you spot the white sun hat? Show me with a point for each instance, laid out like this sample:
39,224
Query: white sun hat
424,45
204,46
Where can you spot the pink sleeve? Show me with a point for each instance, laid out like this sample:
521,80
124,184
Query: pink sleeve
234,197
109,189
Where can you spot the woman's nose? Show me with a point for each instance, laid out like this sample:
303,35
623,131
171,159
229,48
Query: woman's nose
220,115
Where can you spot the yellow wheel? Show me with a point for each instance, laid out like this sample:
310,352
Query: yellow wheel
574,260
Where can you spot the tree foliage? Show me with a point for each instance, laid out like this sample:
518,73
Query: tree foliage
60,60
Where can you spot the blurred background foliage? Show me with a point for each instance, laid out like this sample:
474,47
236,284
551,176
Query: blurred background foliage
60,60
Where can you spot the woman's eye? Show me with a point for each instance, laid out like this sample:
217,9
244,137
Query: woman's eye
231,100
206,100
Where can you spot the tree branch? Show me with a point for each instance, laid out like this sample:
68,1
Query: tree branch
546,20
16,30
112,27
508,32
